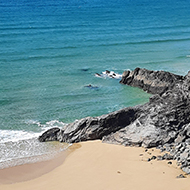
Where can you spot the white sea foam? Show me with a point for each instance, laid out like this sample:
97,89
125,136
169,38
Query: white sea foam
47,125
33,122
53,123
20,147
16,135
109,74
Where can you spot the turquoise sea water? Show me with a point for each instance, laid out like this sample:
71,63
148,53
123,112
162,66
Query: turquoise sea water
50,50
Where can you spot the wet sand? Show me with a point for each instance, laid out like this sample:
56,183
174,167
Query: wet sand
100,166
30,171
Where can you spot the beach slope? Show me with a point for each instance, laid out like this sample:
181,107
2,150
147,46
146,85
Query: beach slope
99,166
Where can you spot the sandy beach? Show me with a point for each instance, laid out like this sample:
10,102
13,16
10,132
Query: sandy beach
98,166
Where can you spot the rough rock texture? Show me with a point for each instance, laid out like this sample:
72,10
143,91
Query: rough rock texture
163,122
92,128
154,82
50,135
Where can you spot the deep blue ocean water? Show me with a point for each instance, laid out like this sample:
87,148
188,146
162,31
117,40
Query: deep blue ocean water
50,50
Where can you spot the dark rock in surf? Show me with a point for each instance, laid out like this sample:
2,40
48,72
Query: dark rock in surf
91,87
85,69
49,135
108,74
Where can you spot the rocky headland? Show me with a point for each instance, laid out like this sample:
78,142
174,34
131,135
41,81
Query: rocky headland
163,122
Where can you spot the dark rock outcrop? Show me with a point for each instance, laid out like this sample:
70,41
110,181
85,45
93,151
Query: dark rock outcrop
154,82
92,128
50,135
163,122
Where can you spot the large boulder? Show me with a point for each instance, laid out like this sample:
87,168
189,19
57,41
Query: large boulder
92,128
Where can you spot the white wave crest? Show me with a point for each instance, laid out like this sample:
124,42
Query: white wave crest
47,125
17,135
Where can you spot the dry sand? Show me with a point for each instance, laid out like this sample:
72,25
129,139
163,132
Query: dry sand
99,166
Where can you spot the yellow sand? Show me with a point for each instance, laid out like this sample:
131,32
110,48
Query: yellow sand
100,166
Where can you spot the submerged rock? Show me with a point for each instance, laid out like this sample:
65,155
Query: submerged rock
163,122
91,87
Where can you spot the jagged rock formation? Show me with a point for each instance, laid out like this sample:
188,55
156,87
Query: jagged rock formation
92,128
154,82
162,122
